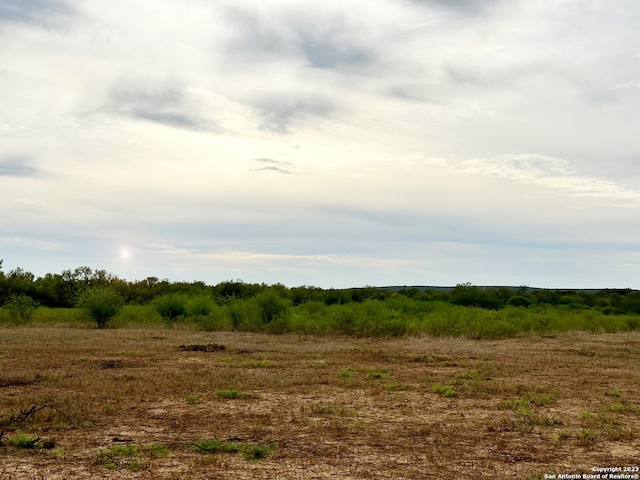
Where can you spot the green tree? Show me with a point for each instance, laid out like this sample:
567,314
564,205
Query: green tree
270,305
4,288
171,306
101,304
20,307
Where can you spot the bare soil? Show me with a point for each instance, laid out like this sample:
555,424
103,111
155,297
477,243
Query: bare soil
326,407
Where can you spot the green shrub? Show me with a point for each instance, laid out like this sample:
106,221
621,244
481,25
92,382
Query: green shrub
200,305
520,301
101,304
270,305
171,306
20,308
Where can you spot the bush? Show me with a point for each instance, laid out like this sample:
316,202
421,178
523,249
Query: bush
520,301
20,308
171,306
101,304
270,305
200,305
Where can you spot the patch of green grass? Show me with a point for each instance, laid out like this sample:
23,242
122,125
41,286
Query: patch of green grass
562,435
347,372
616,407
258,364
24,440
115,456
157,450
517,404
257,451
192,400
216,446
587,438
535,476
470,375
542,399
444,390
614,393
377,374
250,452
587,416
396,387
232,394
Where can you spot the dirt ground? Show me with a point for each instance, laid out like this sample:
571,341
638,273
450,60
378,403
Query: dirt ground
143,403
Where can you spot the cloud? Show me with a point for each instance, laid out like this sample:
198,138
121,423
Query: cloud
550,173
273,166
153,101
324,37
119,108
280,112
464,6
46,13
17,167
324,54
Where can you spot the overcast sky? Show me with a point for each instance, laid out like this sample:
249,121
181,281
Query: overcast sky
330,143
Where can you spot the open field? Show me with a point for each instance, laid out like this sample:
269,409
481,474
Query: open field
170,403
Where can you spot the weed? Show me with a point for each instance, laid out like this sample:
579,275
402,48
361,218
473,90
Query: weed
444,390
347,372
518,404
396,387
257,451
562,435
116,456
215,446
588,417
250,452
470,375
258,364
377,374
542,399
587,438
616,407
614,393
157,450
527,421
24,440
191,400
10,422
231,394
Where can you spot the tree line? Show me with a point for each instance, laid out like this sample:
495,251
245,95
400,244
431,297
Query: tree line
63,290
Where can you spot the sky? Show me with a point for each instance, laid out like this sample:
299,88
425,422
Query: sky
326,143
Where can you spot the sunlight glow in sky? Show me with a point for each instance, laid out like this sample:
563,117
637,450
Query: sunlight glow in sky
337,144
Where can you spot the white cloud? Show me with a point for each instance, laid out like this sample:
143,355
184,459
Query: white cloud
361,140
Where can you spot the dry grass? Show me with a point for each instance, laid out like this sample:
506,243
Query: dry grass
313,407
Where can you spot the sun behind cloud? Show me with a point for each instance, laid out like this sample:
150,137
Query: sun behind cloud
125,253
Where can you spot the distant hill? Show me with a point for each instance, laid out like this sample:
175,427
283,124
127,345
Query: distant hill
446,289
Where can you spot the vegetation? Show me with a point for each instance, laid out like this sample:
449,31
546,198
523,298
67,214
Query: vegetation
101,304
465,310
